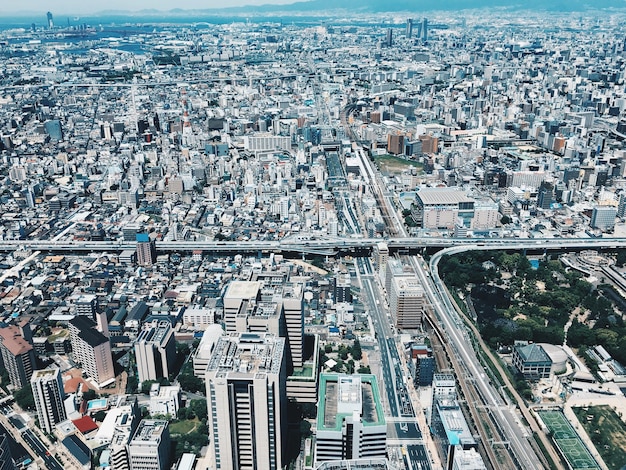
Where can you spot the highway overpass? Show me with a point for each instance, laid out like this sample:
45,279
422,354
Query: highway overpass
325,246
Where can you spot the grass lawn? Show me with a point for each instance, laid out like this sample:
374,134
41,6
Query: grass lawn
390,164
607,431
184,426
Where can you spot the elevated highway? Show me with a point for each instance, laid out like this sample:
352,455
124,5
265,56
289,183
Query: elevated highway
326,246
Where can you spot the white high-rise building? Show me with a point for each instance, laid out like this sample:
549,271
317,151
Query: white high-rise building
48,395
155,351
245,383
406,302
350,419
92,350
149,449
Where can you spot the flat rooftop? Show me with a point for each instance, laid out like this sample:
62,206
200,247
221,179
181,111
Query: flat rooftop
150,430
442,196
341,396
247,354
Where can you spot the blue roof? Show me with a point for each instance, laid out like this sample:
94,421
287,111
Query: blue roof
78,449
142,237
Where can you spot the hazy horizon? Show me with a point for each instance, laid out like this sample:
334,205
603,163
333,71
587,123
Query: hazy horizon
78,7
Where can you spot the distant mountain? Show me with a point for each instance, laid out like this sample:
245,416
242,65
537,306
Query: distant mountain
375,6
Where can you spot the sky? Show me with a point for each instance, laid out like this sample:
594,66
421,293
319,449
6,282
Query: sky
76,7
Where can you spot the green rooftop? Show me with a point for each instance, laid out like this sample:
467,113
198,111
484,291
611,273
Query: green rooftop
341,394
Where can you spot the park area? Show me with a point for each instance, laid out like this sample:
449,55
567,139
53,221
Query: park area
390,165
607,431
567,441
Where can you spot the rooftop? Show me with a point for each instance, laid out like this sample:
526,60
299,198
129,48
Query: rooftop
11,338
442,196
532,353
247,354
456,428
150,430
342,396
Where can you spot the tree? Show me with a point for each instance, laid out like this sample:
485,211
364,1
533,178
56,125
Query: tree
191,383
357,353
24,398
185,413
146,385
132,384
89,394
199,408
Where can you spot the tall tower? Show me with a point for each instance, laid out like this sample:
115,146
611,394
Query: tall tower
18,356
48,395
50,20
425,30
389,38
92,350
155,351
146,250
409,28
406,302
245,383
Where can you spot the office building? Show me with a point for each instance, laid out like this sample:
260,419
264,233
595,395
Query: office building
545,196
409,28
407,302
395,268
467,459
532,361
381,251
350,419
293,311
155,351
48,394
164,400
117,429
18,355
149,448
236,299
269,304
389,38
443,388
603,218
424,365
342,290
450,431
245,383
92,350
425,30
146,250
87,305
6,460
440,208
395,144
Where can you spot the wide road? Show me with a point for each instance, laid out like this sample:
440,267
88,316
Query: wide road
504,415
392,379
383,331
311,244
